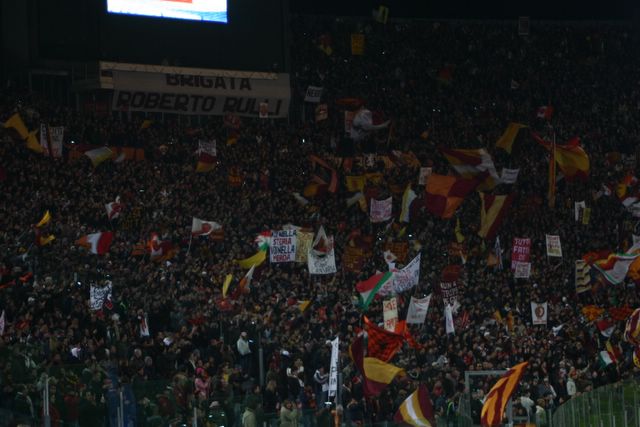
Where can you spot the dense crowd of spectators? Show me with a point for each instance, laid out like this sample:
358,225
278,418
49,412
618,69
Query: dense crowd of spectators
457,84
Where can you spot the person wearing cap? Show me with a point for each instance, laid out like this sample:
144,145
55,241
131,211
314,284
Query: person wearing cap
245,353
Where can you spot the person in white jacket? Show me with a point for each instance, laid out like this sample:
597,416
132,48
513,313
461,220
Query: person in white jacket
245,353
571,387
321,380
362,128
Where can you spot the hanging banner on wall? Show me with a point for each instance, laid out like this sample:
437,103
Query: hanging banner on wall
200,94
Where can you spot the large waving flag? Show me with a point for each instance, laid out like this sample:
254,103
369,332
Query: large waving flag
99,155
376,374
499,395
416,410
472,163
324,174
616,266
256,259
492,213
370,287
572,160
97,243
509,136
407,198
382,344
200,227
444,194
15,122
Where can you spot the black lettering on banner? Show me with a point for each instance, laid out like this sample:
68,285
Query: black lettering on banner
152,100
208,103
229,105
137,100
123,99
167,101
172,79
182,103
196,102
186,80
206,82
249,104
245,84
220,83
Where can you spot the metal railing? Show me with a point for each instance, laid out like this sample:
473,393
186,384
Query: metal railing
93,394
613,405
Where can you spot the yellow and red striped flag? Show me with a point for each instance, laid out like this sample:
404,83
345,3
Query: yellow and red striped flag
492,213
416,410
376,374
499,395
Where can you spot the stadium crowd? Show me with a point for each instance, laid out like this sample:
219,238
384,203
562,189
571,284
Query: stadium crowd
453,84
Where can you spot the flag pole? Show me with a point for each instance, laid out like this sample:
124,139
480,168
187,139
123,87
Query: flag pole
552,174
190,240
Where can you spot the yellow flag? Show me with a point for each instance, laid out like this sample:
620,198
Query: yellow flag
15,122
302,305
44,241
232,140
506,140
33,144
146,124
225,285
256,260
45,219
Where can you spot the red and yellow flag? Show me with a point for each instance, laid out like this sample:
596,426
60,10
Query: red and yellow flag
376,374
416,410
444,194
572,160
499,395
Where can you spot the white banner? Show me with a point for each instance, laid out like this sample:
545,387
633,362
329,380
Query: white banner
390,314
98,296
321,258
424,174
381,210
283,246
144,326
200,94
322,264
577,207
522,270
313,94
333,367
539,313
51,137
509,176
408,277
418,308
208,147
448,319
554,248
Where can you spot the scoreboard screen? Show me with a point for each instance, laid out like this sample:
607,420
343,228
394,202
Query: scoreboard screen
191,10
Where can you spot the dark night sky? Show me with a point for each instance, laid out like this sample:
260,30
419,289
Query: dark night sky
477,9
